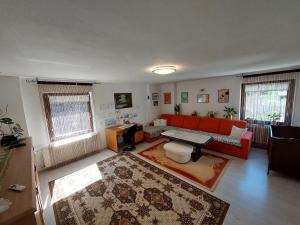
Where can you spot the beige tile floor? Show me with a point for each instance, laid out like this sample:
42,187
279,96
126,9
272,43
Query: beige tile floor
254,197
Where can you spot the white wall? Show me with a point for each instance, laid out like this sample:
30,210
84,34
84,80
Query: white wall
165,88
153,111
10,94
211,87
35,119
103,95
103,101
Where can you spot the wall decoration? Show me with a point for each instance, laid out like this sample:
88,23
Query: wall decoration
223,95
123,100
155,96
167,98
203,98
155,103
184,97
110,122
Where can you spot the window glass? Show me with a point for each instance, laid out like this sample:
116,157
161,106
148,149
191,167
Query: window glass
264,99
68,115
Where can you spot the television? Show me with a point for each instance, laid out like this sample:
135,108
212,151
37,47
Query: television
123,100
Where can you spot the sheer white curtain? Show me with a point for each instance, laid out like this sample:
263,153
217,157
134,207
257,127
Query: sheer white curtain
264,99
265,95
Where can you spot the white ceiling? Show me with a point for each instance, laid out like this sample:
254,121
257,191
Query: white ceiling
121,40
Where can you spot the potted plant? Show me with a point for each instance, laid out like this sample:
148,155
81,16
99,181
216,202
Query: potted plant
229,112
177,109
15,130
194,113
211,114
274,117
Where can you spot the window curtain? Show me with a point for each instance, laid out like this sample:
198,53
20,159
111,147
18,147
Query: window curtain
53,102
267,94
66,150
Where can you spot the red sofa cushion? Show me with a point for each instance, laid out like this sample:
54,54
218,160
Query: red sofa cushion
211,125
226,125
176,121
191,122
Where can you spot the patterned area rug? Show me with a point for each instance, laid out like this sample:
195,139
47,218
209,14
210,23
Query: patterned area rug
207,171
126,190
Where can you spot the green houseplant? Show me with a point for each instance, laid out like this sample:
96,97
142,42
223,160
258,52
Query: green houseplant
229,112
9,130
177,109
273,117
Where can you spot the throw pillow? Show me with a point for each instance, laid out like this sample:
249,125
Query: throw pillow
156,122
237,132
163,122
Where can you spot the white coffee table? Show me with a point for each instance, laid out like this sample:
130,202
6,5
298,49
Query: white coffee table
198,141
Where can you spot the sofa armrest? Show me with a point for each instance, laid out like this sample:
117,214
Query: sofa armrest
246,139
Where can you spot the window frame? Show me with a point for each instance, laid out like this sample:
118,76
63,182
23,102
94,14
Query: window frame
48,115
288,106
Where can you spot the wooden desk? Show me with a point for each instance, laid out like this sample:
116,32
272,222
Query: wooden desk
113,132
20,170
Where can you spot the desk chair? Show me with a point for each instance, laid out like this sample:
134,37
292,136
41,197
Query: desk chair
129,142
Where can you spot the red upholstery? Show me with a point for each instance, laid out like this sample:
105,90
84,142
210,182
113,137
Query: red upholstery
226,126
150,139
166,117
176,121
191,122
213,125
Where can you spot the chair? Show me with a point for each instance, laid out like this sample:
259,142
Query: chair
129,140
284,150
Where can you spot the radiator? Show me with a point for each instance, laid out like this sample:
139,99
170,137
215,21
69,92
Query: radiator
260,135
66,150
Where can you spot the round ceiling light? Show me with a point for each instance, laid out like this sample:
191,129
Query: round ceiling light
164,70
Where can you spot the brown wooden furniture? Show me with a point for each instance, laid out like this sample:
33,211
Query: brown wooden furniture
113,132
284,150
20,170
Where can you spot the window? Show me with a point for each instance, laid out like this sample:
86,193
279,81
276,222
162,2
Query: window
68,115
262,99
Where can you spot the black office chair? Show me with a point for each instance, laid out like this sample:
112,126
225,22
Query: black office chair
129,141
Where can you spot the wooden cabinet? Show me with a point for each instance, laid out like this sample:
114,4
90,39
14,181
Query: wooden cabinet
139,136
20,170
112,134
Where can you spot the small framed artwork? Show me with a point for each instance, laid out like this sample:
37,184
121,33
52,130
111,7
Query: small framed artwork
203,98
167,98
155,103
223,95
155,96
184,97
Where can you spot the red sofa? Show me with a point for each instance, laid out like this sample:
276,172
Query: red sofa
211,125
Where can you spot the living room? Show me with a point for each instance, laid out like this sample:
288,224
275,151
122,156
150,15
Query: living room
149,112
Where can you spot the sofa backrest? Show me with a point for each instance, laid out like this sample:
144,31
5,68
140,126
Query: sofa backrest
166,117
212,125
226,125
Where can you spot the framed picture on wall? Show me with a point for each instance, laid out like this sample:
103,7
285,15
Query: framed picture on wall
167,98
123,100
155,96
203,98
184,97
223,95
